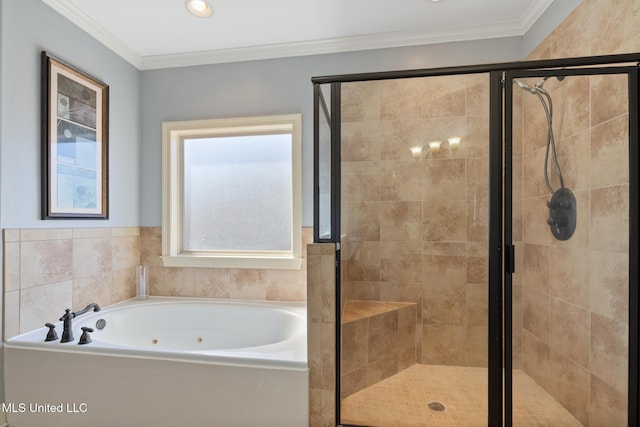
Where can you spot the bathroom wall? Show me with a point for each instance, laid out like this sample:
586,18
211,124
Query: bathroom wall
26,28
596,27
261,284
575,293
570,299
550,19
139,102
49,270
2,41
415,230
321,330
277,86
29,27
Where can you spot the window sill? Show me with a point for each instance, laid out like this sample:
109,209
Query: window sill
266,263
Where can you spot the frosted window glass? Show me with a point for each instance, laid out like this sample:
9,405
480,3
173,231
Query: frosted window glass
238,193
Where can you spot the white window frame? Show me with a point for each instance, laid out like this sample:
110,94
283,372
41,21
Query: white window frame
173,136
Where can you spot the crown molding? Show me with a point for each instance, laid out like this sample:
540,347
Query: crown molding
533,13
320,47
94,29
303,48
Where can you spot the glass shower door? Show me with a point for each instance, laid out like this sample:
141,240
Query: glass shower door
570,142
414,230
487,232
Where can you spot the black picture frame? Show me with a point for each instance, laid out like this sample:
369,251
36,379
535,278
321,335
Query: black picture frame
75,143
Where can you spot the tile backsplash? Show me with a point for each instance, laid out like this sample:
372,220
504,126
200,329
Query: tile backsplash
49,270
237,283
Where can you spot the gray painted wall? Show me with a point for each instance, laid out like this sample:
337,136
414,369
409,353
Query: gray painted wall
275,86
140,101
28,27
3,418
281,86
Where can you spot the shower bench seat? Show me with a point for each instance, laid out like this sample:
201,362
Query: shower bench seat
378,341
359,309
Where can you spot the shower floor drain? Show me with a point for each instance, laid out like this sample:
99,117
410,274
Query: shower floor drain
436,406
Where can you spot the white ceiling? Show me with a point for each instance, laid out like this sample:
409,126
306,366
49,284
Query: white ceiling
161,33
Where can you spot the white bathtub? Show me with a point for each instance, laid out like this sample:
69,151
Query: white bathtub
165,362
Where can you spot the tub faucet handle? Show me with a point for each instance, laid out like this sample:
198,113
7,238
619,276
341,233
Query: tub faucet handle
67,333
51,335
85,338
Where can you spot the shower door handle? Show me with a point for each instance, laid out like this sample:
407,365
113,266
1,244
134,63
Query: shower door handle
510,259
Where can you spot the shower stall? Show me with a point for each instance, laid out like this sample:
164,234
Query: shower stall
486,228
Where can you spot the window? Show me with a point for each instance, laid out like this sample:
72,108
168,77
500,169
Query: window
232,192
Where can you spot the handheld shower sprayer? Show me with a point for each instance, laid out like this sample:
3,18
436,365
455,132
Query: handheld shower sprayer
525,86
538,87
562,206
547,104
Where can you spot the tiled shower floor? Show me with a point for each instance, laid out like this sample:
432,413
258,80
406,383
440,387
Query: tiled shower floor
401,400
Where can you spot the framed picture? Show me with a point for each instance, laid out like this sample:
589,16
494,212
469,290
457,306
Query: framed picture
75,131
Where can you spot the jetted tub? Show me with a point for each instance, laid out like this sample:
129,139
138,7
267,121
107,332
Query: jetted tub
165,362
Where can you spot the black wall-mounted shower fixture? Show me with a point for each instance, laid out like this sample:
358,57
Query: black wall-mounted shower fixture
562,206
562,214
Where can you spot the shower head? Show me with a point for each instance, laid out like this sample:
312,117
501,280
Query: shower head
538,87
535,89
526,87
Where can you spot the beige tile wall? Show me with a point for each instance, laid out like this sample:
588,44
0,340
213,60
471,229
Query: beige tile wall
416,230
276,285
48,270
558,288
321,317
378,341
575,293
569,287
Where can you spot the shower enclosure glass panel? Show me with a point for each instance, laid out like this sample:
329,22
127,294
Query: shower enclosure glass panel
486,229
570,292
323,159
414,231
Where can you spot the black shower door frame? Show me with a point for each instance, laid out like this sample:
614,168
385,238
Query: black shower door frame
631,71
500,245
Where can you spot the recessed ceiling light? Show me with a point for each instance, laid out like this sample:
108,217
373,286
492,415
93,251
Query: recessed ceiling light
199,8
